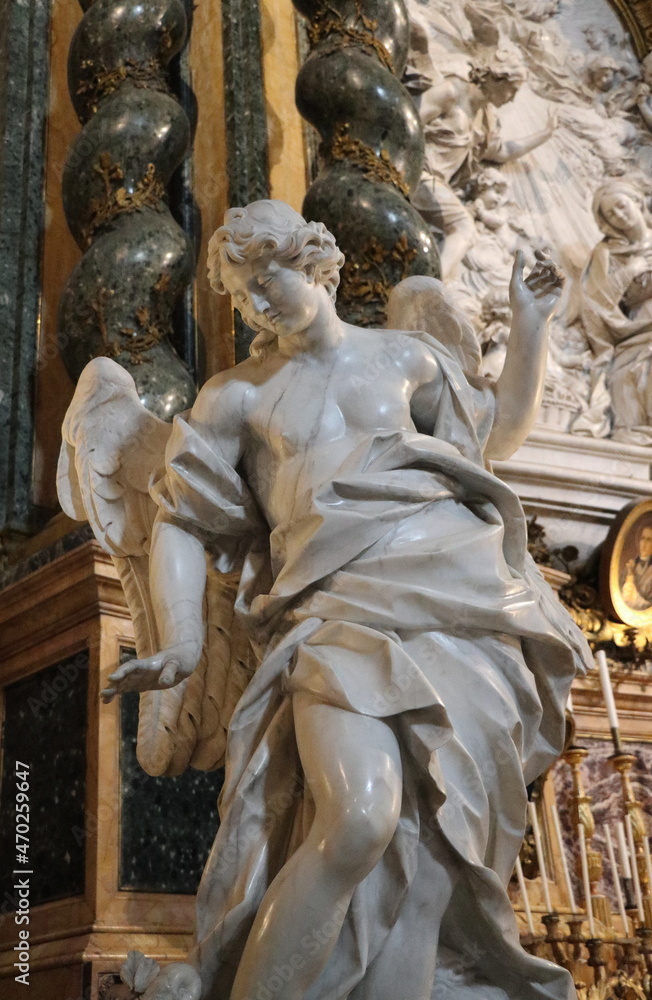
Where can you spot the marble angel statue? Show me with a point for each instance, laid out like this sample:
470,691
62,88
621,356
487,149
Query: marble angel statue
371,650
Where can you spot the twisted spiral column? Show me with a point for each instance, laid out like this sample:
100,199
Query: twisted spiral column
372,149
120,298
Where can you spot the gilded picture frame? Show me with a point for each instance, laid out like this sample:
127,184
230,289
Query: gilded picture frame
626,566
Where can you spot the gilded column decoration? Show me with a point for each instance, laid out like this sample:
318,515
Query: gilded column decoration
371,149
119,300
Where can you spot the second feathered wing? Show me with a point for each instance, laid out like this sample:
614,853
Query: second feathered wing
423,303
111,447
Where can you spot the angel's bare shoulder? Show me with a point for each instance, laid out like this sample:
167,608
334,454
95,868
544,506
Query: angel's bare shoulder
224,398
411,356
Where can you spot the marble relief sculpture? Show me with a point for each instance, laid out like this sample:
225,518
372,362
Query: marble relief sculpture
617,305
579,74
332,594
462,131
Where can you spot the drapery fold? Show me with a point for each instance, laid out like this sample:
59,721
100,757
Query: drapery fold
402,590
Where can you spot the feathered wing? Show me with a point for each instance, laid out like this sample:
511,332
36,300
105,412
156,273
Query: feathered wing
425,304
111,446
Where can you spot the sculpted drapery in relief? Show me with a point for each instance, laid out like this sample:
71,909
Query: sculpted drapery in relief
582,100
617,306
332,594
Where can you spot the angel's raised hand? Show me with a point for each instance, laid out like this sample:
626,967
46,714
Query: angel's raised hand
539,293
152,673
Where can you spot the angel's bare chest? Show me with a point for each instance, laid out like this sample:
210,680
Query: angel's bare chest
306,407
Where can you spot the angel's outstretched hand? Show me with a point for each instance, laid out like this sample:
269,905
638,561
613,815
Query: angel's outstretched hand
538,294
163,670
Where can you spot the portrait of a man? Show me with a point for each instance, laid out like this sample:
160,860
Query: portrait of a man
626,566
637,582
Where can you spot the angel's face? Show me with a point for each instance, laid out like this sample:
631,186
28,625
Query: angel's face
500,90
273,296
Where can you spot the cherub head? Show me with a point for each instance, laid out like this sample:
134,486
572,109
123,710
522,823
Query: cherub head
538,10
601,73
491,187
596,37
273,263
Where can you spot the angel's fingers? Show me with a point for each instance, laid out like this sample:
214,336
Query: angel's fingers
168,677
545,274
539,280
126,669
517,268
108,694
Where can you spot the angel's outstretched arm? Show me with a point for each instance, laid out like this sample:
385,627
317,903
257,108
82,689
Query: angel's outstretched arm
512,149
177,583
177,574
519,388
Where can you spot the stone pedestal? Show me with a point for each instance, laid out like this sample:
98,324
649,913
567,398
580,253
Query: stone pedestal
105,873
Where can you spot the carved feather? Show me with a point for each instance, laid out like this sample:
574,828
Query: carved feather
111,447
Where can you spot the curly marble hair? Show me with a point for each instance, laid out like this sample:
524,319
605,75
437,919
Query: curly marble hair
271,226
505,65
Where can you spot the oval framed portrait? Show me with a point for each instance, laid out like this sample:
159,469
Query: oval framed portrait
626,566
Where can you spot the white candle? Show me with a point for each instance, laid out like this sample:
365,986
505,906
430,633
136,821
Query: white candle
607,690
622,850
637,881
564,861
534,820
526,902
616,878
585,879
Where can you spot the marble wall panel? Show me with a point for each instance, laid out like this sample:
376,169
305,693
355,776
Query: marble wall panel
603,783
45,727
167,824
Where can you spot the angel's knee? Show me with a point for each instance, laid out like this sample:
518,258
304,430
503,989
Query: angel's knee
356,835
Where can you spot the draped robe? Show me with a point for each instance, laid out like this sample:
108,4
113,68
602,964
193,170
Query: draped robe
402,590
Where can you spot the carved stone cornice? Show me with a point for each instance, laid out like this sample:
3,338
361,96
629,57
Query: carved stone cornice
637,18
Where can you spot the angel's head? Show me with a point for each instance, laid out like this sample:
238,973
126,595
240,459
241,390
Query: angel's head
276,266
501,78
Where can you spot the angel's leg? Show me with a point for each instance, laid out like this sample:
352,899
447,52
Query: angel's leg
353,766
444,211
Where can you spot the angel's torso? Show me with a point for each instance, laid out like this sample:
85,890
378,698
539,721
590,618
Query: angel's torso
302,418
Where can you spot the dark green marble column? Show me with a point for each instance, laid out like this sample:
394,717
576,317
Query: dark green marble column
371,152
120,299
24,68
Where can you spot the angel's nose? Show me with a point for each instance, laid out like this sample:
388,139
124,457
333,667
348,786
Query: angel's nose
259,302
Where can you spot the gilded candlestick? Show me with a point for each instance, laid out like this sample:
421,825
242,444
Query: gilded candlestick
581,814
